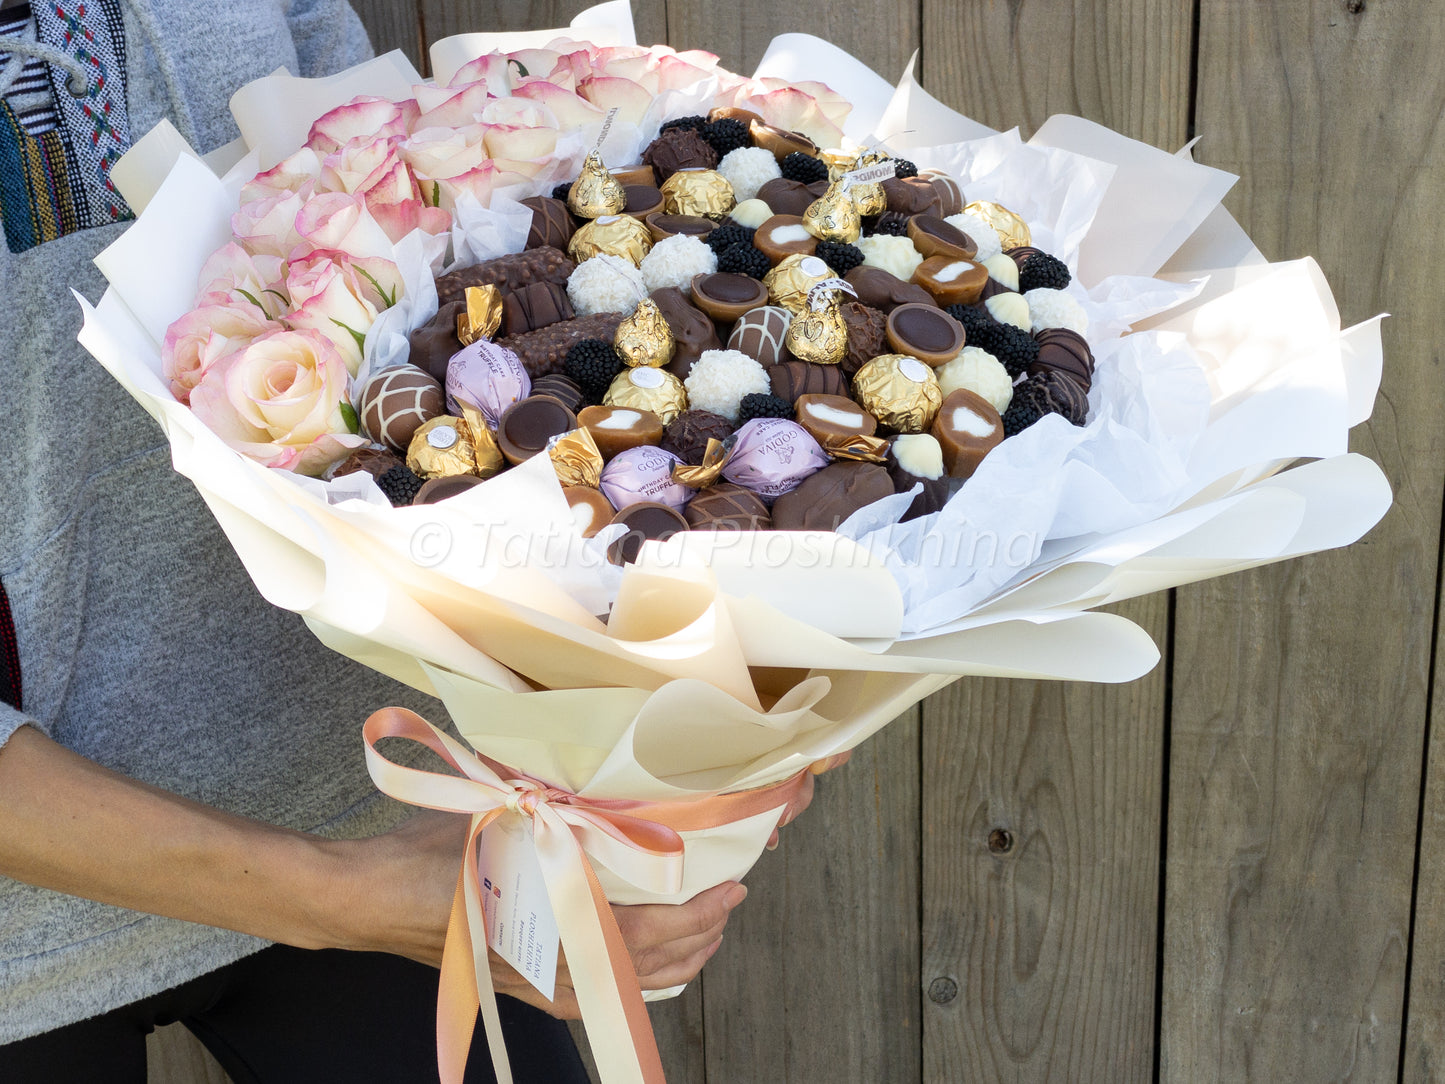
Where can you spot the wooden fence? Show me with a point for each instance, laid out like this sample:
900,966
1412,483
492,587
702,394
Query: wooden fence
1232,869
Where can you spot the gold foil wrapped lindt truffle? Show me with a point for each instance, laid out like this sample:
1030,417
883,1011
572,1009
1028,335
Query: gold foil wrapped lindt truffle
596,191
576,458
833,217
857,446
616,235
645,388
1013,231
706,473
645,338
442,447
788,283
820,335
704,193
900,391
483,314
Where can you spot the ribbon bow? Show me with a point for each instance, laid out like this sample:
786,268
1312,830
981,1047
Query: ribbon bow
637,840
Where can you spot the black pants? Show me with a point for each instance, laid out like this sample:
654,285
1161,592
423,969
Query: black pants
286,1015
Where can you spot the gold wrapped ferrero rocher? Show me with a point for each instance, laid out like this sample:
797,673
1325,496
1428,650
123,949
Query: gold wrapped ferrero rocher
900,391
576,458
596,191
820,335
441,448
485,449
645,388
483,315
833,217
1013,231
703,193
644,338
616,235
789,282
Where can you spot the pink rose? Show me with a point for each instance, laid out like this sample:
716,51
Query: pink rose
340,297
570,110
298,174
206,335
451,107
268,226
399,219
340,222
364,119
358,165
493,69
231,274
437,153
486,179
809,107
282,401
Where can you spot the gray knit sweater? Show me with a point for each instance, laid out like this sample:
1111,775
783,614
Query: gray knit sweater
143,644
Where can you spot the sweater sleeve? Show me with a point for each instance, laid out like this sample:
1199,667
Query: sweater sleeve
12,720
329,36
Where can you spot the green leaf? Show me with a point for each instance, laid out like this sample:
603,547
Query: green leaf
348,415
436,193
389,298
521,69
357,335
252,299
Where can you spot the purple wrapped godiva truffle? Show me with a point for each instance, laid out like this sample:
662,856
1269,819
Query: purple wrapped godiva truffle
643,474
772,456
489,377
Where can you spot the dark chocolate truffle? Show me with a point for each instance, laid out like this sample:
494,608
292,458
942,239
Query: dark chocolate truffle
679,148
727,507
686,436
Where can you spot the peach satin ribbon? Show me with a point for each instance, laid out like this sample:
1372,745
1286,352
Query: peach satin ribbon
637,840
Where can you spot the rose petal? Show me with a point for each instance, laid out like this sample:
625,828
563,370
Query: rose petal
607,92
570,110
361,118
399,219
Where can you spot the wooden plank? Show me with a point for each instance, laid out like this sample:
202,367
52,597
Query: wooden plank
1300,691
175,1056
1041,960
1424,1055
393,25
442,18
1123,63
1041,805
882,34
817,978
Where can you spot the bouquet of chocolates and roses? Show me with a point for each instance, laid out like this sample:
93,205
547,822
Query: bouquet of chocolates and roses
678,430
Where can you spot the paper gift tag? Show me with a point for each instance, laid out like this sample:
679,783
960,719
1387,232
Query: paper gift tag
520,924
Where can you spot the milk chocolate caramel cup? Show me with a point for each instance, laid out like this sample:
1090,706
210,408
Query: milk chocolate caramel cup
932,236
725,295
638,174
925,332
781,141
641,200
824,415
615,429
782,236
526,427
967,428
645,521
591,511
434,490
661,224
952,280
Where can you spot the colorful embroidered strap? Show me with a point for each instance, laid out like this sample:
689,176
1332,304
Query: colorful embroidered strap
91,32
9,656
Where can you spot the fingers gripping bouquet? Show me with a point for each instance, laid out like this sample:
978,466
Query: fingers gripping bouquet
678,430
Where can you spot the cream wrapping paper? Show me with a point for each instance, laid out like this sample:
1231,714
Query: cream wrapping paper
724,663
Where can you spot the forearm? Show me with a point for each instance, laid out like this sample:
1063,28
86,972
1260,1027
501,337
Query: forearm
71,825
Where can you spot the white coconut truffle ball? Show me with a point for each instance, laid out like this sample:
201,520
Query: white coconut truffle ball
1010,309
605,283
751,213
720,378
984,235
978,371
896,255
1054,308
747,169
674,260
